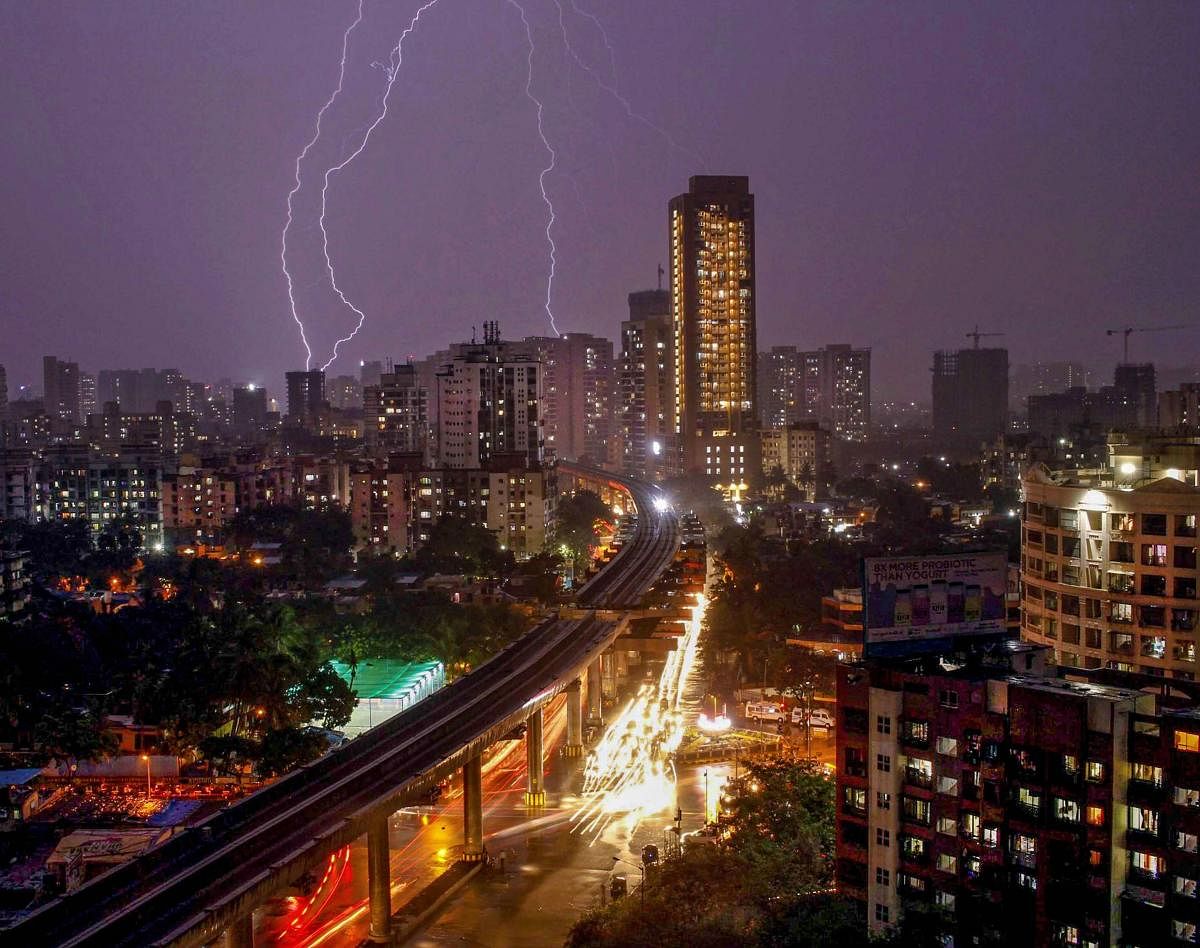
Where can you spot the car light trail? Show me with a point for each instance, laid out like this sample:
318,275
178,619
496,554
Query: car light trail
630,774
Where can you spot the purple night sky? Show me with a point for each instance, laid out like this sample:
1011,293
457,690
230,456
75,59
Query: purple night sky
919,167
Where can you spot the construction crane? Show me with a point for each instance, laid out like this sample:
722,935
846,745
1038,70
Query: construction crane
1129,330
977,335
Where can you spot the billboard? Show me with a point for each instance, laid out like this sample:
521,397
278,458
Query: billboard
917,603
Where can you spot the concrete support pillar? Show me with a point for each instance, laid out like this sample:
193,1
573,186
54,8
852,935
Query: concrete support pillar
574,745
240,934
379,880
594,692
473,810
535,790
622,663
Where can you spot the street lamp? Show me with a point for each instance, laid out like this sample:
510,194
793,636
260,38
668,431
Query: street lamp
146,758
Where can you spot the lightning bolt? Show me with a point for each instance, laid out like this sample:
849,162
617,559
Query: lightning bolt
612,87
546,170
391,70
283,247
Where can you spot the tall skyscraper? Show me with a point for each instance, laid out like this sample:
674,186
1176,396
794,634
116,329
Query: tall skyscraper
60,387
488,398
780,386
970,393
578,387
305,394
837,390
646,388
712,306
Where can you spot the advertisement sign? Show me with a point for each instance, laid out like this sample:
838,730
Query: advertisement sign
916,603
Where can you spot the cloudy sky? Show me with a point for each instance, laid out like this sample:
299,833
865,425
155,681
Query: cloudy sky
919,167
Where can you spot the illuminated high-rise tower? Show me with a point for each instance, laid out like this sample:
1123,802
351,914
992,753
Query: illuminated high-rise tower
712,310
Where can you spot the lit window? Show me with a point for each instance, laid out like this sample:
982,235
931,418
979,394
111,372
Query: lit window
1095,815
1187,741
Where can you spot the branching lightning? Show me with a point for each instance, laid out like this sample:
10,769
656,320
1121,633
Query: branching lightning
609,84
391,70
545,171
292,194
612,87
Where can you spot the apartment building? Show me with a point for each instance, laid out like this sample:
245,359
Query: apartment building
1109,559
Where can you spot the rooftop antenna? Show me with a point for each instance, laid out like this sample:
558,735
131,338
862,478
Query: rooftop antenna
660,276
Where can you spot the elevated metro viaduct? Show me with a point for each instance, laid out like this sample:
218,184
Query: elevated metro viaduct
206,882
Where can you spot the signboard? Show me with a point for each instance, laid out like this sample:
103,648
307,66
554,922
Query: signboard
918,603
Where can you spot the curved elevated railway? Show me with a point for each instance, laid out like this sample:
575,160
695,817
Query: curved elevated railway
187,891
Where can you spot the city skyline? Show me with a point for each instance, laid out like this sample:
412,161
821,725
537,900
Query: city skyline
900,233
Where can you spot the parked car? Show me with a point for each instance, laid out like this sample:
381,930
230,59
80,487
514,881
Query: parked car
820,718
765,711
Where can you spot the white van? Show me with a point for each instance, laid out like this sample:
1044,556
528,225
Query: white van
765,711
820,718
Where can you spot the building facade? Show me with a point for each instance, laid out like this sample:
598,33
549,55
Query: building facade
713,315
396,413
970,393
801,452
1109,560
305,396
578,398
781,386
837,390
993,799
488,402
646,387
60,388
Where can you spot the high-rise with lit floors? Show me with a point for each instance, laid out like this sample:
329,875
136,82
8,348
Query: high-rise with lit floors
647,392
578,388
780,386
488,406
396,412
837,390
60,388
305,395
712,309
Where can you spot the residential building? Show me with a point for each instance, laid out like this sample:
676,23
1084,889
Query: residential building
305,396
1044,378
837,390
1109,559
578,395
198,503
488,403
1179,409
713,315
87,395
250,412
781,386
60,388
396,413
14,585
646,386
988,795
395,504
78,482
970,393
344,392
170,432
1137,397
801,452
